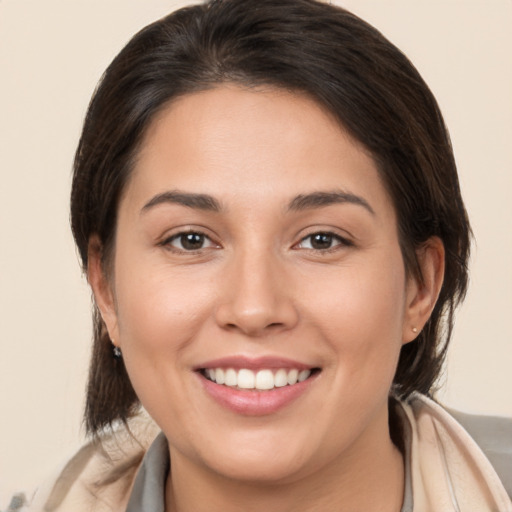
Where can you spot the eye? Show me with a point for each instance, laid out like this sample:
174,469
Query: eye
322,241
189,241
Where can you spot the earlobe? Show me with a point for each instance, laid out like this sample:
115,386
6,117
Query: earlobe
101,287
422,293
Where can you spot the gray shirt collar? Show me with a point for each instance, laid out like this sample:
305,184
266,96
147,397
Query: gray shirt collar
148,492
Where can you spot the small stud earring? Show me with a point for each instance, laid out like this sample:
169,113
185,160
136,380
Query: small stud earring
414,330
117,352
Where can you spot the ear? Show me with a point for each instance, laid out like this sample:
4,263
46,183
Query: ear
422,293
102,288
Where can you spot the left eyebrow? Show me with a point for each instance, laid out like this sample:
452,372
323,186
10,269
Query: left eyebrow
190,200
322,199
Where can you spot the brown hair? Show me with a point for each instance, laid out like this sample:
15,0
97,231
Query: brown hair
301,45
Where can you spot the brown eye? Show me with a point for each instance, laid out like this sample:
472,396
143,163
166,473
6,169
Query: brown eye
322,241
190,241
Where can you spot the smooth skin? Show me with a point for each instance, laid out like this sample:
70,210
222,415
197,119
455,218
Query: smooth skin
255,270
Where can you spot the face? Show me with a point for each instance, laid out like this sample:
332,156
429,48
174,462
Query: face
259,294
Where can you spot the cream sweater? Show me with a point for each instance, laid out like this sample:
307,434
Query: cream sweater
450,472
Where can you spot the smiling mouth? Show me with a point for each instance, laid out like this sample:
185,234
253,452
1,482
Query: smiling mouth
245,379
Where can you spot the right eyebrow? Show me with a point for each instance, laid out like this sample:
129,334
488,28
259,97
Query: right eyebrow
191,200
322,199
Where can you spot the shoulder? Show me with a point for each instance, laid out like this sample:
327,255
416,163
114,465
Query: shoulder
486,440
493,434
100,475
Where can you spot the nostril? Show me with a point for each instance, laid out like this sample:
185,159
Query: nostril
253,328
256,318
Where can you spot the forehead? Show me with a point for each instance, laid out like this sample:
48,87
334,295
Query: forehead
236,143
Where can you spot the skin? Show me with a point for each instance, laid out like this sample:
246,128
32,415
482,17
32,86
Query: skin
258,287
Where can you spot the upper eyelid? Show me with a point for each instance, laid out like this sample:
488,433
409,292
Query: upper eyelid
343,239
184,230
187,232
325,232
167,239
339,233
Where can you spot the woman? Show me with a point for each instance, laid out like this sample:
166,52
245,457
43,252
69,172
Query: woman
266,204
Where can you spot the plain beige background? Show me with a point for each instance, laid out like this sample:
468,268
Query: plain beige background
51,56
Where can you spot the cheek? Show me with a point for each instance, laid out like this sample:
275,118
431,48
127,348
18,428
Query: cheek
159,317
159,309
360,311
360,318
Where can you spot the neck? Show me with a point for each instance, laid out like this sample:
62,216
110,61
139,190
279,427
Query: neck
370,477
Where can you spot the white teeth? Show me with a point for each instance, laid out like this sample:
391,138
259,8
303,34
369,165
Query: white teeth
246,379
261,380
264,379
292,377
303,375
231,377
280,378
219,376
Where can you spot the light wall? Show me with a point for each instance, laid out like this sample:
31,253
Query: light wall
51,56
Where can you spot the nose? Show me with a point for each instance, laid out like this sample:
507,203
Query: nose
256,297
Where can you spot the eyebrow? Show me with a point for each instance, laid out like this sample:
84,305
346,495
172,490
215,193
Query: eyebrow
322,199
197,201
301,202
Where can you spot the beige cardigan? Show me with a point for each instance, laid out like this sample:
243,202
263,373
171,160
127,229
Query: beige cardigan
450,473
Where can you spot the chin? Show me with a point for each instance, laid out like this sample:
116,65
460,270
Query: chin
261,469
268,459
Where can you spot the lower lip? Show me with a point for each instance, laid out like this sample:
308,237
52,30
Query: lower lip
252,402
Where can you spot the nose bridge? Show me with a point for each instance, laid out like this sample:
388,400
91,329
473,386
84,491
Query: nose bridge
257,299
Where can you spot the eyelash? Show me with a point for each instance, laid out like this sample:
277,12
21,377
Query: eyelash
341,242
167,243
333,237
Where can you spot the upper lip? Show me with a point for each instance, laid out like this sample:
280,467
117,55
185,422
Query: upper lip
254,363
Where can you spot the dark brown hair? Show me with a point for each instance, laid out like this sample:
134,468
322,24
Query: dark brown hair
300,45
